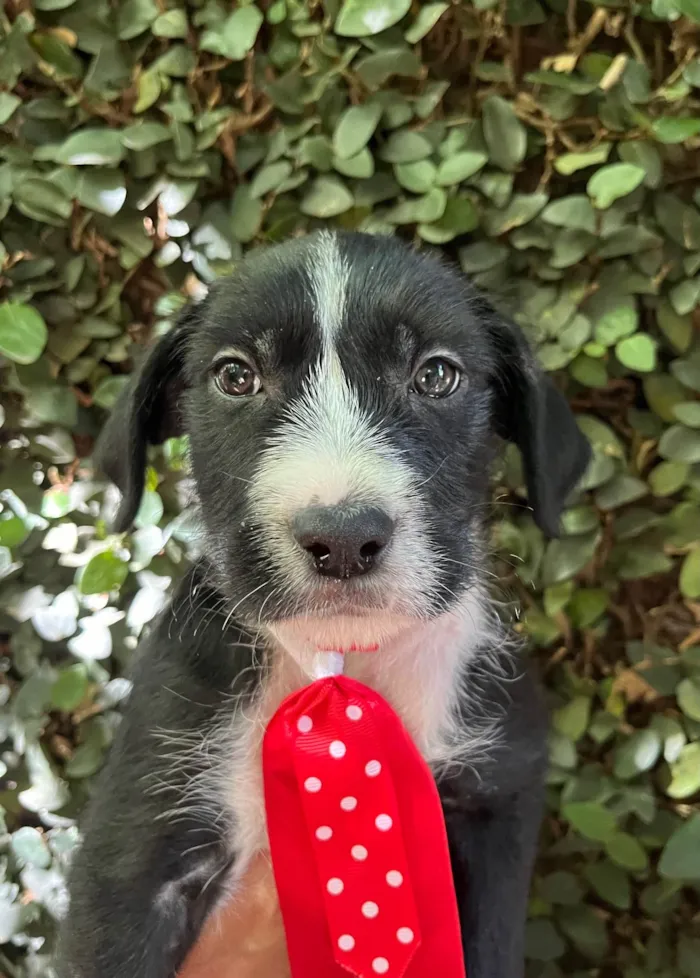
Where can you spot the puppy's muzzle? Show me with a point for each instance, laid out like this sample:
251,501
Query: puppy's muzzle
343,541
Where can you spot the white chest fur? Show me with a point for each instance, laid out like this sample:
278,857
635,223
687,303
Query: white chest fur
421,673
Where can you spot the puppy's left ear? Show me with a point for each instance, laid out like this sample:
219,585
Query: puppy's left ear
147,412
535,416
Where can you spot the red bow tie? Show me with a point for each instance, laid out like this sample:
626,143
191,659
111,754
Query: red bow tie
357,839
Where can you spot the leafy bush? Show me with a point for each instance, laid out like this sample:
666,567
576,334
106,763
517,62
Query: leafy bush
552,147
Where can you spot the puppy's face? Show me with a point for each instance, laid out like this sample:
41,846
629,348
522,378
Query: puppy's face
342,395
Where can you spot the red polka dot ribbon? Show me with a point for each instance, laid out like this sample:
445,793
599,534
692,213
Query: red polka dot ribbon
357,839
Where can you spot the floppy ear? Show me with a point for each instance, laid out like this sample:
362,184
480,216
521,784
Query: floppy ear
146,413
536,417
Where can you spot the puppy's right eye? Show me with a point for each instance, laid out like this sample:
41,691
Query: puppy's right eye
236,378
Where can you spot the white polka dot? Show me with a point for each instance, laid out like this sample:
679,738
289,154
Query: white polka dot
335,886
394,878
372,769
383,822
358,853
404,935
337,749
346,942
348,804
380,966
354,713
304,724
370,910
324,833
312,785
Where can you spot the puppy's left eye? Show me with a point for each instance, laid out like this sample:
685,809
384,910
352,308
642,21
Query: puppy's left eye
236,378
436,377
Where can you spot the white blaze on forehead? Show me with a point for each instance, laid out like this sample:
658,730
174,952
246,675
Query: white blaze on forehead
329,274
327,449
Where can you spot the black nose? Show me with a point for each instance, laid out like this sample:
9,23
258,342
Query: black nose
343,542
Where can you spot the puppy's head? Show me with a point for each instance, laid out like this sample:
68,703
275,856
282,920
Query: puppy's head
342,394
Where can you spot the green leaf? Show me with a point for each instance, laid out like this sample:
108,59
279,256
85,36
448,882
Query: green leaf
680,859
689,580
29,847
619,318
70,688
428,16
102,191
685,296
637,353
172,23
134,17
108,390
688,413
586,931
144,135
246,214
505,135
626,851
680,444
542,942
269,178
685,771
8,104
235,37
104,572
92,147
566,557
459,167
569,163
42,195
637,754
561,888
591,819
363,18
148,86
521,209
612,182
13,531
688,693
355,128
418,177
405,146
326,197
572,719
676,327
23,332
668,477
670,130
611,883
571,212
150,511
460,217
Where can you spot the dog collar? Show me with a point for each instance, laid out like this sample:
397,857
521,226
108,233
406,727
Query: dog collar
357,837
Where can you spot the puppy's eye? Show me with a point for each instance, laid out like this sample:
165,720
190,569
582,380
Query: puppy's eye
436,377
236,378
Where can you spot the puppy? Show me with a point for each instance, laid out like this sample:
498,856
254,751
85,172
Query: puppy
343,395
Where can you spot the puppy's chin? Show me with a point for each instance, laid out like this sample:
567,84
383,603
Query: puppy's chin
304,638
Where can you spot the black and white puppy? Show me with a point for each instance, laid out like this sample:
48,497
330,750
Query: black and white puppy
342,394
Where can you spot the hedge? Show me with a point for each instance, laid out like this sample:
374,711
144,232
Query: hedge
552,148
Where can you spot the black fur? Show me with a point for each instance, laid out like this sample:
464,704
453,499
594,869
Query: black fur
141,886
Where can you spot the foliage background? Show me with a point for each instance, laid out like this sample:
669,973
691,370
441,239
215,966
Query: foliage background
552,147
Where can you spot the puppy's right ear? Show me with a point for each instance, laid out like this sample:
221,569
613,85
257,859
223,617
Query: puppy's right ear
146,413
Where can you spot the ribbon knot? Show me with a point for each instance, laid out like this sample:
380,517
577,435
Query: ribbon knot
357,839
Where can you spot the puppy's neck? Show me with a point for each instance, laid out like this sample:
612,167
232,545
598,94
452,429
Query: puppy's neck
422,672
419,670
